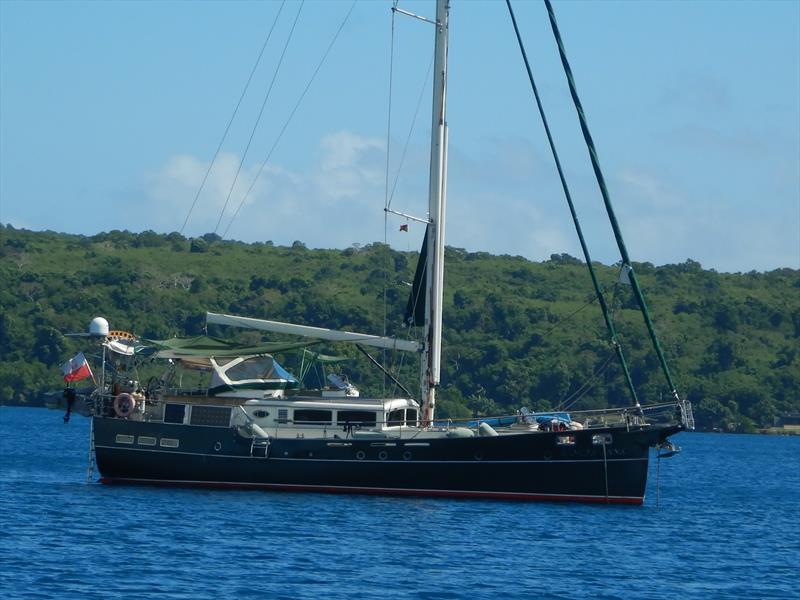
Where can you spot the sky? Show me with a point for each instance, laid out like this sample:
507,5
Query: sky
111,113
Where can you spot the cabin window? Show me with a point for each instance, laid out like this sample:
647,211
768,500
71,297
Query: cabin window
396,417
357,418
211,416
174,413
411,417
313,417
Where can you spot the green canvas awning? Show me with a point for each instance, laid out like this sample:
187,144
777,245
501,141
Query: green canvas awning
203,346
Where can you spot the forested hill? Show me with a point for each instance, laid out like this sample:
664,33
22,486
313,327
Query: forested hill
517,333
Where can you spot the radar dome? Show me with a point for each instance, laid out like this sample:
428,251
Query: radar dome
98,327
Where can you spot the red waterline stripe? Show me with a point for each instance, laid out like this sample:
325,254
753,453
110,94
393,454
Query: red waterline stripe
634,500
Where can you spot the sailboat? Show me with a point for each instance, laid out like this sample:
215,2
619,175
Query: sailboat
245,422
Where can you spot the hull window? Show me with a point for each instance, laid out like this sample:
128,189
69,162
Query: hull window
145,440
169,443
357,418
174,413
212,416
123,439
601,439
313,417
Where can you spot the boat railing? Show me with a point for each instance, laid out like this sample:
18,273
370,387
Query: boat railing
677,412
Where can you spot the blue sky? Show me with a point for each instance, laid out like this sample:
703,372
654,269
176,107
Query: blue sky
111,112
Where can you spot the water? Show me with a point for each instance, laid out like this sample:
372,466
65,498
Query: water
727,526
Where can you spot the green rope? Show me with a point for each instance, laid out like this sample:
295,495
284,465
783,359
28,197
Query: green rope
598,291
637,292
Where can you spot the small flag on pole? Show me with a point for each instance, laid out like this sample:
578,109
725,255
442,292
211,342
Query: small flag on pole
76,368
404,227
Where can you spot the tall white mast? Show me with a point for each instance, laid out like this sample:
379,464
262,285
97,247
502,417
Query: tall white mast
432,351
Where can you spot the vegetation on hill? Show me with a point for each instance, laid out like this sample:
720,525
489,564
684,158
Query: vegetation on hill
517,333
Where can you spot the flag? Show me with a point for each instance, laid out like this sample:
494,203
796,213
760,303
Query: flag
404,227
76,368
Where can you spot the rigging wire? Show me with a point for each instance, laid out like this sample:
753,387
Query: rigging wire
260,114
573,398
410,132
601,184
290,117
595,283
233,116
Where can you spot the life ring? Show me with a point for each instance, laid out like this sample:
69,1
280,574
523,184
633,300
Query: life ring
124,404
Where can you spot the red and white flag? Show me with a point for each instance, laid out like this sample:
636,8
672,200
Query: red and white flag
76,368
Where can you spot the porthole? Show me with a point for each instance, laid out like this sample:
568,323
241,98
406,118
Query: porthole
478,456
218,446
406,455
383,455
260,414
360,455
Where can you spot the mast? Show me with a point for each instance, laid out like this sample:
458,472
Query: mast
432,350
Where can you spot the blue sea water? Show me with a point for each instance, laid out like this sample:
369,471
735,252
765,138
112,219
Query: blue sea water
726,525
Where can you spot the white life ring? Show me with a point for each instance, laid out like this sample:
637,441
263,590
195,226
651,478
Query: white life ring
124,404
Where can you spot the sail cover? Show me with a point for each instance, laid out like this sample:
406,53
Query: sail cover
415,309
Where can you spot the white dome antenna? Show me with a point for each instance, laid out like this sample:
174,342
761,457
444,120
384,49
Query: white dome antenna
98,327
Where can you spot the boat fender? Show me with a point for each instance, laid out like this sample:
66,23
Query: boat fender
124,404
486,430
258,432
460,432
251,430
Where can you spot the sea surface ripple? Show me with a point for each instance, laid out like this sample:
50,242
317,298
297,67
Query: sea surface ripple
720,521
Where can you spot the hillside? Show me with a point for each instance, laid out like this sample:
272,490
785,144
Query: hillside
517,333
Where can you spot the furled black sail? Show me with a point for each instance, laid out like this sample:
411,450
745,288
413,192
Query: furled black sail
415,309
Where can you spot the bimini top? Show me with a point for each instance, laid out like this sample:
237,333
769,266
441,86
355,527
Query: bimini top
203,346
234,367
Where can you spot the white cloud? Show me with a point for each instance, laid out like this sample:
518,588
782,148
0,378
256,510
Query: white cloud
495,205
651,189
282,205
174,187
350,166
